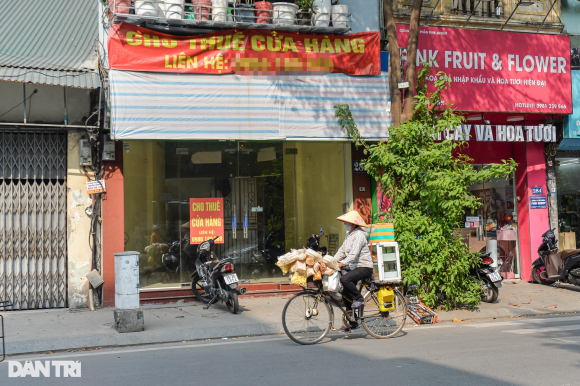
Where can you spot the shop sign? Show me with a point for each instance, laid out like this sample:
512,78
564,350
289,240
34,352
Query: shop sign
525,73
244,52
499,133
206,219
94,187
538,202
572,121
537,190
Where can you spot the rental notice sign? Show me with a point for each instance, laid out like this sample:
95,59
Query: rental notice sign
244,52
206,219
498,71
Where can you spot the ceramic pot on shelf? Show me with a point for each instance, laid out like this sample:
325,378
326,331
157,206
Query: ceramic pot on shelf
322,16
263,12
284,13
245,13
219,10
339,15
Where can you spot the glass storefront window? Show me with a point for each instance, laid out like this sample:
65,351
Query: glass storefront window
275,196
494,227
568,194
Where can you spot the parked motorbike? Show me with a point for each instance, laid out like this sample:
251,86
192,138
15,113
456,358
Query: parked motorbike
554,265
488,277
214,279
314,243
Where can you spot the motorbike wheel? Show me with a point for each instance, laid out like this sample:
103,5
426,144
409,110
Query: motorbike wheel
536,271
197,289
490,292
232,302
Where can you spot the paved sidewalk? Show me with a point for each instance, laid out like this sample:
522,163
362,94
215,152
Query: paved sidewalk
63,329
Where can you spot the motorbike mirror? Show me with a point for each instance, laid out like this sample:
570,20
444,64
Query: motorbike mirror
322,230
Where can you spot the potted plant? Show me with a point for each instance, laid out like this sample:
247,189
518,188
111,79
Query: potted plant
307,9
339,14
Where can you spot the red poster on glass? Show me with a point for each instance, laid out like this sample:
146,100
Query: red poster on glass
244,52
206,219
498,71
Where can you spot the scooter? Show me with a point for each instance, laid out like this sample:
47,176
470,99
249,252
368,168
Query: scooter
554,265
215,280
488,277
314,243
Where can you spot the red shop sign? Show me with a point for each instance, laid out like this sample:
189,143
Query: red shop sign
206,219
245,52
498,71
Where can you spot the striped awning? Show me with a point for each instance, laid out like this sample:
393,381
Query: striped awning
205,107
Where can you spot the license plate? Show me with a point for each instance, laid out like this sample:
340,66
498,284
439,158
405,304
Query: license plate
494,276
231,278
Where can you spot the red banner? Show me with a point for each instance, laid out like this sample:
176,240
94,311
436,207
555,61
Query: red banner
246,52
206,219
498,71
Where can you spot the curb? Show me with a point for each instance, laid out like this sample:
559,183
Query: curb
139,338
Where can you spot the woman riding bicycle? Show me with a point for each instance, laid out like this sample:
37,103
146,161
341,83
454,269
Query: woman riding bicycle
355,254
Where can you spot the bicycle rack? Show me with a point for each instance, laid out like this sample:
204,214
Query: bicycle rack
3,304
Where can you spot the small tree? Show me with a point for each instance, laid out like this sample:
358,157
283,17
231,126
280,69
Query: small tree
428,181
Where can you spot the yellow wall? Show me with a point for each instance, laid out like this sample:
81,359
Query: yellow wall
314,190
144,174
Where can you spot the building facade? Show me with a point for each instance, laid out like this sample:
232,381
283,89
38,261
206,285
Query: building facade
49,104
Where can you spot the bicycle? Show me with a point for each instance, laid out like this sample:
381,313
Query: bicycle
308,316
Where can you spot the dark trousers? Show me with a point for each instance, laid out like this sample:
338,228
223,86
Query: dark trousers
350,293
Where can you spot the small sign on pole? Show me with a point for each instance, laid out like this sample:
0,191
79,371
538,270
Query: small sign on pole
404,85
94,187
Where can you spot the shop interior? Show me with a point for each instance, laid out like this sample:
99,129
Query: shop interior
284,189
568,193
493,227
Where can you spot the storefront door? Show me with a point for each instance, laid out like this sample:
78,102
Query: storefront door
494,226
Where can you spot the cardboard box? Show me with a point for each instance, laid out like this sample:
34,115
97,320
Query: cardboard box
567,240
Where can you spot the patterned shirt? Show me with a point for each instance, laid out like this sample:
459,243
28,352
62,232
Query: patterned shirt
355,251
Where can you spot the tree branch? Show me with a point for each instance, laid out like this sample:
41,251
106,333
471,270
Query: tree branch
411,73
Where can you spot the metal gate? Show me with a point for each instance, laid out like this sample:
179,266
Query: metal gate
33,219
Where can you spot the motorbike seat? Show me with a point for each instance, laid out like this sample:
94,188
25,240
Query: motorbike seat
568,252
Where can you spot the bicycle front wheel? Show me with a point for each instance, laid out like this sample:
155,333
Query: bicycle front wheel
306,319
381,324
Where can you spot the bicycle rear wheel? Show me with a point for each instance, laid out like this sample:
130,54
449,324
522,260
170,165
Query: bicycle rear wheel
384,324
305,319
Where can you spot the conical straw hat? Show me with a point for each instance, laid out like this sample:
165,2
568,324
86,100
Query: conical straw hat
353,217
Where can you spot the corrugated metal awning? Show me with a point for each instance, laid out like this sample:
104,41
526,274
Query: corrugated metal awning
208,107
48,34
89,79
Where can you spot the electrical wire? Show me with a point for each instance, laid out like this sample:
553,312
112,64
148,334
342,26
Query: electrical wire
34,92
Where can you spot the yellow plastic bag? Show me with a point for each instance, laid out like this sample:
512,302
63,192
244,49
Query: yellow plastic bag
299,279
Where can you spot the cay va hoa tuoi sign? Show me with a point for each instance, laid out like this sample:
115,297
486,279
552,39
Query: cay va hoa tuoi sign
500,133
497,71
206,220
244,52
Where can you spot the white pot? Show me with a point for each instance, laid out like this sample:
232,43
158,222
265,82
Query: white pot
219,10
339,15
147,8
172,9
284,13
322,16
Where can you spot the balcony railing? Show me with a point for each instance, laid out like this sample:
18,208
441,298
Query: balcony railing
176,13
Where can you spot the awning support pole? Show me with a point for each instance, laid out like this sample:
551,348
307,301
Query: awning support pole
547,13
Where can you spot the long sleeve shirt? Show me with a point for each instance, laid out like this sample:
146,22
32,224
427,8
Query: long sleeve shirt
354,251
